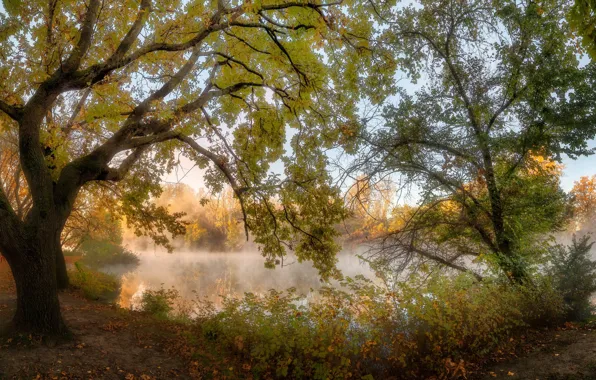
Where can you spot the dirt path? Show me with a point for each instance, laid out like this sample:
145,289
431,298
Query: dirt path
564,354
109,343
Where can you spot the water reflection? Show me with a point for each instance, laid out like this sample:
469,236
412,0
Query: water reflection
212,275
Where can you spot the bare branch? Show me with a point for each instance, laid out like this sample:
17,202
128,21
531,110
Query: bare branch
68,127
448,263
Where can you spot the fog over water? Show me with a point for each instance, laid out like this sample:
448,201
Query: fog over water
211,275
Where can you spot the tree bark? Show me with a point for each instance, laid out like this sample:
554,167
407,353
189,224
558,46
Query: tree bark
62,280
34,271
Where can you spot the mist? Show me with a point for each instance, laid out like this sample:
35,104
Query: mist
211,275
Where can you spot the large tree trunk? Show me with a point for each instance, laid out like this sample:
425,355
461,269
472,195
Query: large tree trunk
34,271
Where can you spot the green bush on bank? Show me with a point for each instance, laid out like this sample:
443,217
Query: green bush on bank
94,285
160,303
101,253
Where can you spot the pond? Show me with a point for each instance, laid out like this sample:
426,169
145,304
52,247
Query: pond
208,275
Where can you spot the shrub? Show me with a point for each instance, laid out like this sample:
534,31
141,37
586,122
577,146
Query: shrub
94,285
159,303
100,253
418,329
453,320
574,275
541,303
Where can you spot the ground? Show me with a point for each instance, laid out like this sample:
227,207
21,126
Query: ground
107,344
561,354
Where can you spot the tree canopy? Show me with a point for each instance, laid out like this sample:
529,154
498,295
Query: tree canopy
501,88
112,91
99,99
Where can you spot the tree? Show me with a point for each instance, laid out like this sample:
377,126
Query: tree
501,87
84,220
93,216
212,220
370,206
583,196
574,273
112,91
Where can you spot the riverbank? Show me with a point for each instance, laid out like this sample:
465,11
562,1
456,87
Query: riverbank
110,342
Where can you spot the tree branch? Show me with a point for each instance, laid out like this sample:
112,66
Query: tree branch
118,174
67,129
97,72
10,231
15,112
74,60
222,165
133,32
504,107
448,263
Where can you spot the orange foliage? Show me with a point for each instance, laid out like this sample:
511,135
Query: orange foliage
584,200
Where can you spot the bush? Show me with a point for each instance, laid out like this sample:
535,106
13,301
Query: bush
101,253
159,303
94,285
418,329
541,303
574,275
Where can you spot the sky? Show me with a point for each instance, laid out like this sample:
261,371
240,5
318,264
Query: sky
574,169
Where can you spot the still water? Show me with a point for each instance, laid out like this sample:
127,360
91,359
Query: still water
207,275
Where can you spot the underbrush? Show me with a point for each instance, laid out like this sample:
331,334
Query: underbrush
94,285
419,329
160,303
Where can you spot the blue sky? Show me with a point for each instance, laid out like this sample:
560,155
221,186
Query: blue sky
574,169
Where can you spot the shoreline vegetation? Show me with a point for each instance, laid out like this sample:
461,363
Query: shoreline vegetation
446,327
